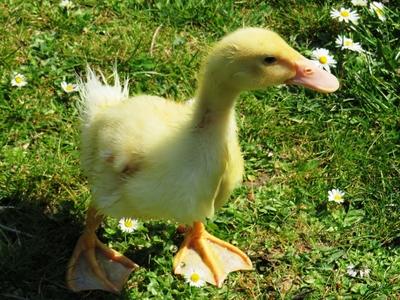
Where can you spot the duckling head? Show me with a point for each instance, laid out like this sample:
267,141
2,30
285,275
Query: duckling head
255,58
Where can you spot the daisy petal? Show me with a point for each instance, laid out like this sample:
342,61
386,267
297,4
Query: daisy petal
18,80
347,43
336,195
345,15
69,87
195,279
378,9
323,59
359,2
128,224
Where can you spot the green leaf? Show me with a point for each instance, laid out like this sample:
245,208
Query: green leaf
353,217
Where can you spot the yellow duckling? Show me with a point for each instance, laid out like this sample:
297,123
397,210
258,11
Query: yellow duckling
151,158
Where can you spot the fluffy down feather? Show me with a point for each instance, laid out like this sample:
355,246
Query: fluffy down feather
145,158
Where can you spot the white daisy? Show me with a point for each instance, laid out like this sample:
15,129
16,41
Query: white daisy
18,80
128,224
69,87
365,272
359,2
351,271
345,14
348,43
66,4
336,195
378,7
323,59
194,279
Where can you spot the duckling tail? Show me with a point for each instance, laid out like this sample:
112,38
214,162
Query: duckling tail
96,94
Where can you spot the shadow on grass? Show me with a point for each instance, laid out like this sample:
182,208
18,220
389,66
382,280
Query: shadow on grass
36,242
34,256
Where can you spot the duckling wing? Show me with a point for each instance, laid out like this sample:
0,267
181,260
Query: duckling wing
233,172
117,142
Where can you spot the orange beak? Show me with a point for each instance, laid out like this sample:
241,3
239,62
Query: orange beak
310,75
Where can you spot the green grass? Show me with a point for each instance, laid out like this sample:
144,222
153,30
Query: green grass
298,145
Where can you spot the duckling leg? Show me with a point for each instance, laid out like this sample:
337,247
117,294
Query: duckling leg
95,266
210,257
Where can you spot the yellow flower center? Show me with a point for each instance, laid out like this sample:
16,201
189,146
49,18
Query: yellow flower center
128,223
323,60
345,13
69,87
195,277
337,198
18,79
378,11
348,43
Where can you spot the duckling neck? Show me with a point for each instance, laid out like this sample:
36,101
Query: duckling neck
214,105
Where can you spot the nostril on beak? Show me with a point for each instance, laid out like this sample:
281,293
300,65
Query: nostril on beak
308,71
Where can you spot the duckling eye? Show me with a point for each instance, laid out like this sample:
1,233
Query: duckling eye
269,60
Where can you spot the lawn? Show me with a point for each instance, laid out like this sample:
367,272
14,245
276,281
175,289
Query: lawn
298,145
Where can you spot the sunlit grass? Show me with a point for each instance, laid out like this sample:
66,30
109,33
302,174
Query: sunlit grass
298,146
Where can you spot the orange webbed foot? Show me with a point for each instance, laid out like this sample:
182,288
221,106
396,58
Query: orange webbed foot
95,266
209,256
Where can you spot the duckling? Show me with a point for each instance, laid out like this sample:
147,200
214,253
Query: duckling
155,159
